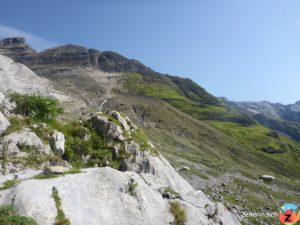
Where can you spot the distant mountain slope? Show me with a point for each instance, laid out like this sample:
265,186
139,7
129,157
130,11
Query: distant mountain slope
279,117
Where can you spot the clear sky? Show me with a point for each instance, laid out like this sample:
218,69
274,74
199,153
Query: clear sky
240,49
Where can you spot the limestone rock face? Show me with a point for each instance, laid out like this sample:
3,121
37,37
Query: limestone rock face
67,54
138,162
125,121
4,123
17,49
27,138
100,194
17,77
57,143
109,129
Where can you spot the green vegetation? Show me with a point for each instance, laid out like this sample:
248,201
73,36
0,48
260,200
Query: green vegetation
141,138
17,124
8,216
40,108
42,176
8,184
256,197
178,212
131,188
268,151
33,159
288,127
60,217
255,136
171,191
73,171
189,102
81,140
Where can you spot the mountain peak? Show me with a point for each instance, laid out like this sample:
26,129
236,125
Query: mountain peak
17,49
13,41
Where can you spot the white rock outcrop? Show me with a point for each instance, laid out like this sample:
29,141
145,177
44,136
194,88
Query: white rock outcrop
17,77
111,130
57,143
99,196
26,137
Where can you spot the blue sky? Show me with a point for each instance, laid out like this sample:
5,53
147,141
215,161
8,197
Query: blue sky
240,49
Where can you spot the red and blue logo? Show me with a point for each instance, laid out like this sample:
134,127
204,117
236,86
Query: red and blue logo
289,214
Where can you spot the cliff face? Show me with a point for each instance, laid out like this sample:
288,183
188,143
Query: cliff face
17,49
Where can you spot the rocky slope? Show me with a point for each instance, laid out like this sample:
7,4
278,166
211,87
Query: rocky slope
142,196
141,192
215,147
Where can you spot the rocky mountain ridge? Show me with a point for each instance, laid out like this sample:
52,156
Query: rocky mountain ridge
290,112
276,116
17,49
107,61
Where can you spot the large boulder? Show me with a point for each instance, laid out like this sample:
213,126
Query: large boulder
106,200
267,178
57,143
4,123
28,138
138,162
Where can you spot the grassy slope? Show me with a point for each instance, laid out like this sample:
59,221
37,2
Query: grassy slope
235,146
253,138
195,102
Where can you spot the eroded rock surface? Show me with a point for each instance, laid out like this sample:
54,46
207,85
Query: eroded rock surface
101,198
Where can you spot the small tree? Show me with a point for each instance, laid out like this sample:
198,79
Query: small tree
38,107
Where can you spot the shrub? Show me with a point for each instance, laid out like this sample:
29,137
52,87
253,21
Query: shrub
78,146
42,108
8,216
178,212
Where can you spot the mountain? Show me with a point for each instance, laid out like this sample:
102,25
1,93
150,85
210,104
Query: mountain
41,181
215,146
278,117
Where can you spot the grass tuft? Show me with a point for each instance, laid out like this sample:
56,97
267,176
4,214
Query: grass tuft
60,217
178,212
8,216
